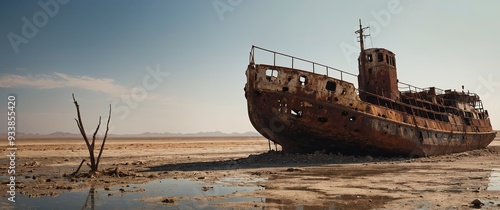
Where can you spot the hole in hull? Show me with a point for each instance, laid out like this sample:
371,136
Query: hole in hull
331,86
322,119
296,113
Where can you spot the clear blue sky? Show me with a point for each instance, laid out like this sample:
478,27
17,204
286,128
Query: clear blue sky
102,50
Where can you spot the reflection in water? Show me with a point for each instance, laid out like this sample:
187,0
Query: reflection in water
494,183
92,201
188,194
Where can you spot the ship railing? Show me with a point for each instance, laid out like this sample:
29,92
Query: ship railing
445,103
405,87
422,111
292,62
414,89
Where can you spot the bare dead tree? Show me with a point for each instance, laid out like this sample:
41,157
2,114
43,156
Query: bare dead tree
78,169
94,163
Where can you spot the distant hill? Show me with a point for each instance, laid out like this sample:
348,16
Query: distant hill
20,135
63,134
199,134
60,134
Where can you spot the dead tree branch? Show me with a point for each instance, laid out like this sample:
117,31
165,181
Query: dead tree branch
95,133
79,122
94,163
105,136
80,166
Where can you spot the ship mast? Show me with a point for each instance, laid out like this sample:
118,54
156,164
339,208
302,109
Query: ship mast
362,61
361,36
362,43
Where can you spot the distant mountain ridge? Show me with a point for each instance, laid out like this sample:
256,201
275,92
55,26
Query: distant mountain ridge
200,134
60,134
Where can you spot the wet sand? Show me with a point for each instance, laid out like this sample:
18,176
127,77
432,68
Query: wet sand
308,181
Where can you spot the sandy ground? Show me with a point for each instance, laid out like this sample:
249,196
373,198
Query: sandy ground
310,181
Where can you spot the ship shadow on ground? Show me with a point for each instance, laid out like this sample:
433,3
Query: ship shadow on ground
273,159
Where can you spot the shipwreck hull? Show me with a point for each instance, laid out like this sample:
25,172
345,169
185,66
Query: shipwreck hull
306,112
361,136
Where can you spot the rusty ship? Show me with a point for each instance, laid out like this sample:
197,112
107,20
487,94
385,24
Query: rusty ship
317,108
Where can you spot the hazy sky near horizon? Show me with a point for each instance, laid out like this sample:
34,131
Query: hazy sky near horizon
179,66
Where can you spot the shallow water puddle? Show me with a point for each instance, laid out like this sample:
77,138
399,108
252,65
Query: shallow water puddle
494,183
241,180
184,194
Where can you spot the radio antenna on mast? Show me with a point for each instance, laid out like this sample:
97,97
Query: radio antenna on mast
362,56
362,36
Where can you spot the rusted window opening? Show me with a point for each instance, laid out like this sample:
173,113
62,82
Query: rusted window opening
427,105
435,108
370,57
422,113
419,104
387,59
331,86
271,74
352,118
431,115
296,113
380,57
438,117
303,80
409,110
462,113
370,71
